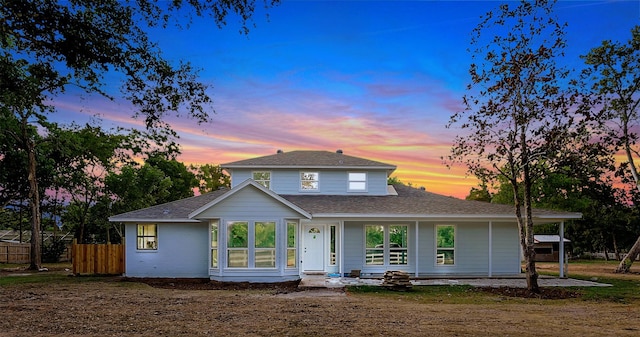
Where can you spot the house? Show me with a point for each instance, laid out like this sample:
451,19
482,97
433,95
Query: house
547,247
304,212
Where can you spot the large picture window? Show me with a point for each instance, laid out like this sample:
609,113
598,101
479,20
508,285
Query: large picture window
251,244
147,237
386,244
445,244
238,244
263,178
265,245
309,181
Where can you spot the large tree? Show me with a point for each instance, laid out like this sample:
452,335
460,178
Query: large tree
49,46
614,72
517,118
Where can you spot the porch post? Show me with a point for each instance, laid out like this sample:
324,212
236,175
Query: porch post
417,248
341,250
561,247
490,248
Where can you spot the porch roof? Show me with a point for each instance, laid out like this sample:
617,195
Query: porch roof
414,203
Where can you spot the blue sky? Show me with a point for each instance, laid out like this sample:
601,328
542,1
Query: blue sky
378,79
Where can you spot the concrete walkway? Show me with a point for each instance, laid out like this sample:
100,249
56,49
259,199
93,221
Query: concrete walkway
322,281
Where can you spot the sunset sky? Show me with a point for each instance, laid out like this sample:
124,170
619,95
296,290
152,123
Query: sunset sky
376,79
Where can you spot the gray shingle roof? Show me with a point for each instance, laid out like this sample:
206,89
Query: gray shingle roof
309,159
175,210
410,202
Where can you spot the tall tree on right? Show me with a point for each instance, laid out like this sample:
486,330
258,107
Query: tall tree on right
517,122
614,72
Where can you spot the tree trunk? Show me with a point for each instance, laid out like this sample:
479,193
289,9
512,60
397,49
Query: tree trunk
626,263
34,205
616,251
526,243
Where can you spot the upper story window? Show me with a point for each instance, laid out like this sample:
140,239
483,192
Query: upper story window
147,237
309,181
263,178
357,181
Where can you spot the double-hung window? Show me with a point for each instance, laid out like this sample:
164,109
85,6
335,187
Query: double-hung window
265,245
147,237
357,181
263,178
386,245
238,244
309,181
445,244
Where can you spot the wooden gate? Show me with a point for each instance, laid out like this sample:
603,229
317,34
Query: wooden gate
97,259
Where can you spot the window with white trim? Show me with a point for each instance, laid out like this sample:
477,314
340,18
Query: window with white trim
147,237
445,244
251,244
238,244
386,244
309,181
292,238
264,244
214,244
357,181
263,178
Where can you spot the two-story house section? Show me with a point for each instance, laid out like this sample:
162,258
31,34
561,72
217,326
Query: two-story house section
294,213
313,172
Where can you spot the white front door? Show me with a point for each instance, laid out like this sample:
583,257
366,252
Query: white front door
313,251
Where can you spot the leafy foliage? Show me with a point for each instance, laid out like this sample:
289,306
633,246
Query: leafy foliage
518,118
614,73
48,46
52,251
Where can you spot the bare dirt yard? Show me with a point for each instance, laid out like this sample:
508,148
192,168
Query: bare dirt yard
82,306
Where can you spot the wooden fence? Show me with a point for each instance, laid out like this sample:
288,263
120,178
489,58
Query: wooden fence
13,252
98,259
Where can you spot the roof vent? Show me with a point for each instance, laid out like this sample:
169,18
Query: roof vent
422,188
339,151
166,211
279,151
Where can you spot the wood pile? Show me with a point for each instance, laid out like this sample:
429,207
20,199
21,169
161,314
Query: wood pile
397,280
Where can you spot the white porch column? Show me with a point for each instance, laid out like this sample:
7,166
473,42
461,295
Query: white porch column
417,248
490,248
341,249
561,247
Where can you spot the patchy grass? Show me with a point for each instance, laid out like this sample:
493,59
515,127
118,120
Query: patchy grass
103,306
